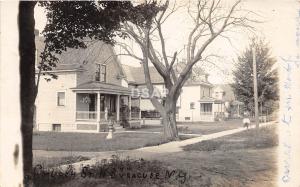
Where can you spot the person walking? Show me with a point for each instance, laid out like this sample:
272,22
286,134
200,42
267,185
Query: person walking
246,120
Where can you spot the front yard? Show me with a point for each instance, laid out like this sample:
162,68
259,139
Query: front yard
97,142
92,142
72,147
197,127
246,159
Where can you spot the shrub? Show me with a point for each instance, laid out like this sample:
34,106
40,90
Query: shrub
124,110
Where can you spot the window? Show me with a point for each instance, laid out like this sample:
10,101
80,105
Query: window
217,94
206,107
100,73
61,101
56,127
192,105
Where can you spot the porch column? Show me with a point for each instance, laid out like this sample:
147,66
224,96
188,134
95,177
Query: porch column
98,106
140,111
213,110
118,107
98,110
129,106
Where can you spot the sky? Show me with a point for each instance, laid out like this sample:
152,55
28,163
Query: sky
278,28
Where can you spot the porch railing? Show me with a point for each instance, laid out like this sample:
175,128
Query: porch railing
206,116
135,115
102,116
86,115
205,113
219,114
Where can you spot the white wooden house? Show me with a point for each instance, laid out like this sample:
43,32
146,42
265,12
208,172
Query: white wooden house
195,103
91,88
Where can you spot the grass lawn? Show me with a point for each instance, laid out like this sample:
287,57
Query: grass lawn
92,142
198,127
243,159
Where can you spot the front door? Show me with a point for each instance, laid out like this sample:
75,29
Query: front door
108,102
92,103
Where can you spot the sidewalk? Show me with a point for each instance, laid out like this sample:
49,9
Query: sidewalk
151,152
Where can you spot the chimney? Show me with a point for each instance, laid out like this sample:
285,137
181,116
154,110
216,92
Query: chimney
206,77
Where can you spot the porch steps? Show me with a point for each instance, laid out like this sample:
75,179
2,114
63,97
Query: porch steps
118,128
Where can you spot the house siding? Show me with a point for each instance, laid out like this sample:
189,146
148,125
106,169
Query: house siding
47,111
189,94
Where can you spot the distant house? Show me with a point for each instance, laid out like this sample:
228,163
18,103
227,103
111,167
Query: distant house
195,103
230,106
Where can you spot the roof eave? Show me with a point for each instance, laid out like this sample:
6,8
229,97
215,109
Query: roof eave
61,71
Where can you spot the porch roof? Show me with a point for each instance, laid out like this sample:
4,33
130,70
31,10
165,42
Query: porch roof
207,99
102,87
237,102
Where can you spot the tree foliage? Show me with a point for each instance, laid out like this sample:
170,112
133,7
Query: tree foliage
68,23
73,24
267,76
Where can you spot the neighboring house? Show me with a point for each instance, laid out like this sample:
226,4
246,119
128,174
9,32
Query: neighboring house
230,106
195,102
136,82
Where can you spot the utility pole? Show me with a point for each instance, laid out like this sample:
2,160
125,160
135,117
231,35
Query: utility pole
255,88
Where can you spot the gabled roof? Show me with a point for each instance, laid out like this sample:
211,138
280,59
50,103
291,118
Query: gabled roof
135,75
74,59
229,95
102,87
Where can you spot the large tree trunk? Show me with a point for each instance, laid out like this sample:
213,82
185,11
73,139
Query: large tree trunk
27,72
169,120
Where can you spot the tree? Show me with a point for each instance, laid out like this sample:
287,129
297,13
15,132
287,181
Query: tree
27,75
210,21
267,76
69,23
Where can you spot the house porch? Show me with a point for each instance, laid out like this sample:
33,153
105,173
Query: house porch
95,108
211,109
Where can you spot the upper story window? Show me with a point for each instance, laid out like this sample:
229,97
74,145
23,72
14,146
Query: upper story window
100,73
61,99
192,105
216,94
